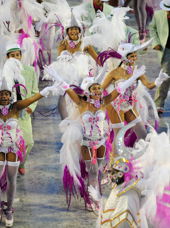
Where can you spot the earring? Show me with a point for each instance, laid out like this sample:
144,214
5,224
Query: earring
10,100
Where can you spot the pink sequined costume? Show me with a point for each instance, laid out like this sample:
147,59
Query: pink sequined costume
126,100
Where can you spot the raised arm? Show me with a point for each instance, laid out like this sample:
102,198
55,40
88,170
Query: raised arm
150,85
108,80
64,86
74,96
19,105
147,83
22,104
111,97
136,74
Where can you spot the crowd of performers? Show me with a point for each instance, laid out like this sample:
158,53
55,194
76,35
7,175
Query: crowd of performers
104,105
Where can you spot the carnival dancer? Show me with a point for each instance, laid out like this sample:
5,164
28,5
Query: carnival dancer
136,175
28,72
75,61
11,147
130,103
88,143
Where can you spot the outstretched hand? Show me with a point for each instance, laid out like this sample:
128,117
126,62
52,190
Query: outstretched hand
163,76
45,92
139,72
50,70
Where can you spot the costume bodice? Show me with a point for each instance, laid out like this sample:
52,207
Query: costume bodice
8,131
127,99
130,89
93,124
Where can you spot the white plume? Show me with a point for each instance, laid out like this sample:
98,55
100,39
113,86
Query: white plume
12,71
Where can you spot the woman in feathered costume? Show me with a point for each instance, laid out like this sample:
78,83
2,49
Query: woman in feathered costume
89,139
74,61
131,105
12,143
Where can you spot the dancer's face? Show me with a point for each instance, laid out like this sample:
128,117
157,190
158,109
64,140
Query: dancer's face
133,58
99,3
15,54
73,33
96,89
4,97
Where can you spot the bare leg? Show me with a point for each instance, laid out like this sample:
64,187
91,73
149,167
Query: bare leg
62,107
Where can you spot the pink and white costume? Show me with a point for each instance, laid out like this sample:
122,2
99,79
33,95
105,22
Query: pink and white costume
127,99
89,130
11,138
93,132
135,96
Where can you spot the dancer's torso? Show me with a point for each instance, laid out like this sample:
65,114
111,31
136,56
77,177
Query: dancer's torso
93,124
126,100
72,50
8,131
